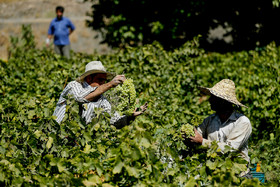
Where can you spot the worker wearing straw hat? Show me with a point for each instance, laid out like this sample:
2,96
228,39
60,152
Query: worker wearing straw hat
87,90
226,126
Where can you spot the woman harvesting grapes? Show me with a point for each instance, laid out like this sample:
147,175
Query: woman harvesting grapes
88,90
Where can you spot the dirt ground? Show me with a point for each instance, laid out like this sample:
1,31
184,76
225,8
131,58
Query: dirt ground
39,13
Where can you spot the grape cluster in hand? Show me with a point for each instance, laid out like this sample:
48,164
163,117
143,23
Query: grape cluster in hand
187,130
125,95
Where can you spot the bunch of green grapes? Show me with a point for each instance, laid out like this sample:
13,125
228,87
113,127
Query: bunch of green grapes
123,97
187,130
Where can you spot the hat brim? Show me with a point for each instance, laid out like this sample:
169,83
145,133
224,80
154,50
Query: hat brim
208,91
204,90
84,75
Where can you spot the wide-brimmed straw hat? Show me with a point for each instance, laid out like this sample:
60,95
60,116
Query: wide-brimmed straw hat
224,89
92,68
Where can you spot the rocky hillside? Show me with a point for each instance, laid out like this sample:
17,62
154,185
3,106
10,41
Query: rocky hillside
39,13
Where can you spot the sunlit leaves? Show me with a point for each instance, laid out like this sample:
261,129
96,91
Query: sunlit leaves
49,143
35,150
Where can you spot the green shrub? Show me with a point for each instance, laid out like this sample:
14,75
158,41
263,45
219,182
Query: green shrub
35,150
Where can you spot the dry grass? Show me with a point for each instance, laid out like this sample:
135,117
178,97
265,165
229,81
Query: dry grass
38,13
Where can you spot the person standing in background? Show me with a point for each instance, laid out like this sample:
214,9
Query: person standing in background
60,28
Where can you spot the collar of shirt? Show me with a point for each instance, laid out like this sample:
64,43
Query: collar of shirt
233,117
56,19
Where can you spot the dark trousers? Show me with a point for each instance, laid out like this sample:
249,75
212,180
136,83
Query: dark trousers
63,50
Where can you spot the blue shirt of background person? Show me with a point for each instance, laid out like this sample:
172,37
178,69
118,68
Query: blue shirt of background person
59,28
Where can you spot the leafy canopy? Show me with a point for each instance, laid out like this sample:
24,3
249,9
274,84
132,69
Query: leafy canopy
35,150
246,24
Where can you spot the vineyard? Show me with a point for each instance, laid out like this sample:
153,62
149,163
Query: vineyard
35,150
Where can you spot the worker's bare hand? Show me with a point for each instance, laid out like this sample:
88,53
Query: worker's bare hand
140,110
197,138
118,80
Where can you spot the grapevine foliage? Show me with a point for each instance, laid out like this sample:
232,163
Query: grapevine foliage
35,150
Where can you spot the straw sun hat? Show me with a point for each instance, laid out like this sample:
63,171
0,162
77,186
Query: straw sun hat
92,68
224,89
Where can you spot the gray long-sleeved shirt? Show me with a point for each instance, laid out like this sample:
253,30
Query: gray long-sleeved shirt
79,91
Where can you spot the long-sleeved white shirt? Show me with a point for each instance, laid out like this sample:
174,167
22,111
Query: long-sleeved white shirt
78,91
234,132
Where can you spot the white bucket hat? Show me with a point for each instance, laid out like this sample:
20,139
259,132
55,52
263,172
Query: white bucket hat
224,89
92,68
